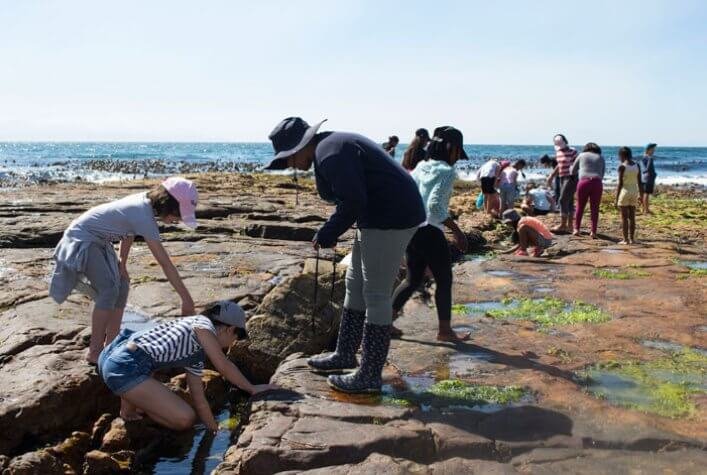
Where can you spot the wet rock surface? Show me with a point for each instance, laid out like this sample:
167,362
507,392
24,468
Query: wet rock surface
48,389
432,417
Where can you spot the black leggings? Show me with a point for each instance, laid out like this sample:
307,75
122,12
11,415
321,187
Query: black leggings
428,248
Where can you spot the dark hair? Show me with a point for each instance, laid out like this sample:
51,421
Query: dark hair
546,160
563,138
592,147
412,155
625,154
394,138
520,162
163,203
211,311
438,150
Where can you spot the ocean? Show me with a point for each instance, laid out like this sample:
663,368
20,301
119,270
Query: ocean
40,162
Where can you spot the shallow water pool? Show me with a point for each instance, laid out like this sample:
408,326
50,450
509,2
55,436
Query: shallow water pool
205,452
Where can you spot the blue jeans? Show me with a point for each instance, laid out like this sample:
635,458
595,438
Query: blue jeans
122,368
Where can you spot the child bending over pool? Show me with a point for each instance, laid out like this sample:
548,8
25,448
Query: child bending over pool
127,364
86,252
531,232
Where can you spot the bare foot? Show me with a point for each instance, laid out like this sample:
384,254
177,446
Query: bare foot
575,232
453,336
558,229
623,242
593,236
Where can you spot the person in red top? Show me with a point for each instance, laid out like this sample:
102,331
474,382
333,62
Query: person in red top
531,232
565,156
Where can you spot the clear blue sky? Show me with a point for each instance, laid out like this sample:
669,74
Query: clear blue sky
614,72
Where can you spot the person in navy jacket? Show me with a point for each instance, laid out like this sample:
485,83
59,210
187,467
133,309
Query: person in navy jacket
374,192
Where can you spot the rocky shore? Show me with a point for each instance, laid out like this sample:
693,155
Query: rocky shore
588,360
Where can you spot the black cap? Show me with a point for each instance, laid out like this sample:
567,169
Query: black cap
289,137
449,134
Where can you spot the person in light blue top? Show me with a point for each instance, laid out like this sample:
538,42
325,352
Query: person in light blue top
428,247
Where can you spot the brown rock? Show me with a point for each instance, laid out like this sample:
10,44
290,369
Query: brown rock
100,427
214,387
283,325
72,450
116,438
101,463
33,463
45,374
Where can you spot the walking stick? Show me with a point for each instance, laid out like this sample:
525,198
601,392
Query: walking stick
316,287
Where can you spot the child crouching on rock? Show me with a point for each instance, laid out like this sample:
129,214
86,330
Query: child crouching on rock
127,364
86,251
531,233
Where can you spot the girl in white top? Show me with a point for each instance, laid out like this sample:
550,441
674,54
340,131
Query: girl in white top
86,252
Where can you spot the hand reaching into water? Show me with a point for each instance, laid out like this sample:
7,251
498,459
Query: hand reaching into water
260,388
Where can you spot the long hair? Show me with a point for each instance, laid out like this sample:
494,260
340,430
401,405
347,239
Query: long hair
163,203
412,156
438,150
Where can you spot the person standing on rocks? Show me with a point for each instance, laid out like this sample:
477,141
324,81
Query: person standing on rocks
127,364
373,191
428,247
590,167
565,156
487,176
629,193
390,145
86,252
648,175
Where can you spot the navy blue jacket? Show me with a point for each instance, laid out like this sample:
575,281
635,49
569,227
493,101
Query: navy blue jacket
367,185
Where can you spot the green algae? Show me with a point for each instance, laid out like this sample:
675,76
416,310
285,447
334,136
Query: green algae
397,401
230,423
619,274
549,312
664,386
477,394
459,309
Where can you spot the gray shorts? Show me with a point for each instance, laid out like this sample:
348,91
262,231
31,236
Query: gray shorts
375,262
508,196
108,291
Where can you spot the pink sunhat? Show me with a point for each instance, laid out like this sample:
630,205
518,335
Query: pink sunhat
184,191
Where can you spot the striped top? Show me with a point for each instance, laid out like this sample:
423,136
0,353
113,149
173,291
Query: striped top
565,159
174,341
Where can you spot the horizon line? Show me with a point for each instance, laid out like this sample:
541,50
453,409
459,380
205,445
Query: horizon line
267,143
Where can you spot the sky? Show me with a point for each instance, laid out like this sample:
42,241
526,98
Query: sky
507,72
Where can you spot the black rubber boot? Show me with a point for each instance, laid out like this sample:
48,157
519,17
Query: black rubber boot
368,378
350,332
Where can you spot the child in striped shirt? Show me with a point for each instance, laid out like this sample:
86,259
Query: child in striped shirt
127,364
565,156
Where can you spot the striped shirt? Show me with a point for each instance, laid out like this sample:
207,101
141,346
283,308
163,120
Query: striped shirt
565,159
176,340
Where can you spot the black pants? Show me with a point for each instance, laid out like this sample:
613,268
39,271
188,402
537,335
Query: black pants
428,248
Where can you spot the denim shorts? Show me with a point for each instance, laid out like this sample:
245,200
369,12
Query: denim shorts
122,368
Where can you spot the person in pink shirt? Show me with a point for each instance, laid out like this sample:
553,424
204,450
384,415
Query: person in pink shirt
531,232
